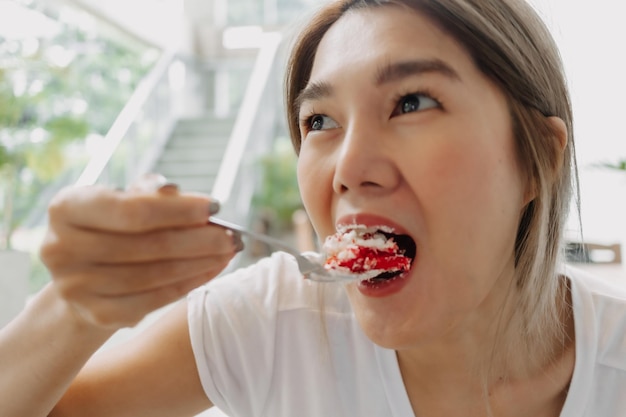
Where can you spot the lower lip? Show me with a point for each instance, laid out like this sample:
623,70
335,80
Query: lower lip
383,288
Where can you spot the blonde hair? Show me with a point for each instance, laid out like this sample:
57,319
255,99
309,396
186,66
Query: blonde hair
510,44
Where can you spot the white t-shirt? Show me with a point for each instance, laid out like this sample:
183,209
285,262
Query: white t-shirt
269,343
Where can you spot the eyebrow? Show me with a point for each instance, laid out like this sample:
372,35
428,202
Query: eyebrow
386,74
314,91
403,69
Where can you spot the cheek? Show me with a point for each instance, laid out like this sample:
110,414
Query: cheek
469,187
315,183
304,180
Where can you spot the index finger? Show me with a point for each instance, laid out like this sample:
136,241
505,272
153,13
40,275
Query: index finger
102,208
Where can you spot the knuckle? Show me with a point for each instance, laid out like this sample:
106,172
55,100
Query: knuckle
59,204
48,249
53,252
134,212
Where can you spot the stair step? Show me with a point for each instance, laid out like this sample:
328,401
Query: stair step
198,142
194,153
187,168
201,131
203,125
169,158
208,120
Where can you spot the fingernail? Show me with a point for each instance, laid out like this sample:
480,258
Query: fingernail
169,188
237,241
214,207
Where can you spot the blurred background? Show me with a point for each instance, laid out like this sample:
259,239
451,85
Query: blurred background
101,92
590,38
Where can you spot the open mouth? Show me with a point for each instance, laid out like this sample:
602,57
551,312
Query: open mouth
374,254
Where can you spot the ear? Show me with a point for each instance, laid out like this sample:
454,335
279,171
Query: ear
555,131
559,143
560,132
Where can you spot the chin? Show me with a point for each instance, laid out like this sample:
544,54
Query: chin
386,325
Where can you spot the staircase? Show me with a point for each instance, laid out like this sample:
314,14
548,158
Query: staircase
194,152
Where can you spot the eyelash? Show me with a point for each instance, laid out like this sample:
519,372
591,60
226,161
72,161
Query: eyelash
305,122
425,92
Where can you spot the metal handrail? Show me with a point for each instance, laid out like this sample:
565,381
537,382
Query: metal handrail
242,129
125,119
240,148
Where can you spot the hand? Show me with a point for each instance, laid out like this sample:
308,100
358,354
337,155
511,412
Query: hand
115,256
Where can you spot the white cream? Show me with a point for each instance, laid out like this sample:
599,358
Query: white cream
343,246
352,237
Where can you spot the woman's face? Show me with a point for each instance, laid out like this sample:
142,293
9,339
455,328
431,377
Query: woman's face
399,128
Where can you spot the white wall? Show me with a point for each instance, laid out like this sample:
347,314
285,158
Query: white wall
591,38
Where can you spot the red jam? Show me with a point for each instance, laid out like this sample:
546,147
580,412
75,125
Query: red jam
368,259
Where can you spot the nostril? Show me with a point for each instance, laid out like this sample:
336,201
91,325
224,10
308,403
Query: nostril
365,184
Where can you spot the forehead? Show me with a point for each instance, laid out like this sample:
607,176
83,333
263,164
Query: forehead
384,34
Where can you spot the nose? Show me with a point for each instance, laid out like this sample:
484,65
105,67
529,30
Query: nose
365,162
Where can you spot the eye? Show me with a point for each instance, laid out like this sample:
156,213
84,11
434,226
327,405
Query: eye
414,102
320,122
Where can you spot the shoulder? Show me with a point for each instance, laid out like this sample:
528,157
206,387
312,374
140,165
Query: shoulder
599,380
602,291
256,306
256,332
600,310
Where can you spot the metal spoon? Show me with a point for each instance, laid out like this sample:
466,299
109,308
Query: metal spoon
310,264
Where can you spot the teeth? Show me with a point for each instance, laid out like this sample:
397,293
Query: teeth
362,229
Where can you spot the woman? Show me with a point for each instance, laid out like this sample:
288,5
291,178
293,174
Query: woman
447,121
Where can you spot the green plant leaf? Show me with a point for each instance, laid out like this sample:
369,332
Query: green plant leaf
66,129
46,161
619,165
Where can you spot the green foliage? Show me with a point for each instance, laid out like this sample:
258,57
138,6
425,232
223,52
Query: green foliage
54,92
278,194
619,165
66,128
5,156
10,106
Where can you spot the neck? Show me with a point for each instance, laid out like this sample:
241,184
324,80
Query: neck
488,364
